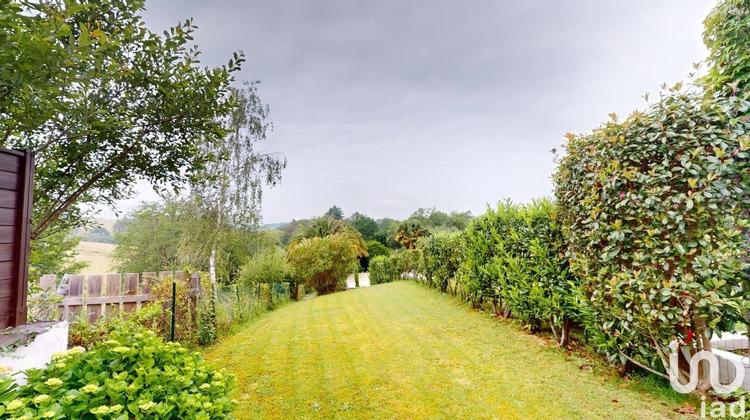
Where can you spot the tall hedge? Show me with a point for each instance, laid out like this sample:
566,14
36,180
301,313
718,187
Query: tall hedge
385,269
439,259
727,37
477,273
534,281
653,209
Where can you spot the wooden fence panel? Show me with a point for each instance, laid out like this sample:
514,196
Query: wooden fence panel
147,279
94,289
74,302
131,289
16,190
97,294
48,282
114,288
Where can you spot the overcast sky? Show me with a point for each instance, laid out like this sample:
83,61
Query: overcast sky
385,106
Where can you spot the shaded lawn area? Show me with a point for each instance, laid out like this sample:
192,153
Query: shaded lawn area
400,350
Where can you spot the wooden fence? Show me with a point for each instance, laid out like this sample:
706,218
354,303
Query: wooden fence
110,294
16,190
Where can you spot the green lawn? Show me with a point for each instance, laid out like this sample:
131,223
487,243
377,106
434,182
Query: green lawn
403,351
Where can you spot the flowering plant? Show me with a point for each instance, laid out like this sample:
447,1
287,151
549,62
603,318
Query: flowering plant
131,375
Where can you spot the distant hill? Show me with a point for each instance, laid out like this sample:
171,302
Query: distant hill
99,234
108,224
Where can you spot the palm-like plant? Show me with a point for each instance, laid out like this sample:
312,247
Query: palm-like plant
328,226
408,233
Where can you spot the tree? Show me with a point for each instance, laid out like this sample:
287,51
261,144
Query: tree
323,262
229,189
366,225
326,226
408,234
55,254
437,221
102,101
374,249
171,235
335,212
95,234
152,238
727,37
387,232
440,257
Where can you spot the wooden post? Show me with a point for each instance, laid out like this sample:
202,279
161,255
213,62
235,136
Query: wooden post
75,291
131,288
94,289
114,284
47,283
147,279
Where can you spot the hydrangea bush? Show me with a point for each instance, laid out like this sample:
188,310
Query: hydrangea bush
132,375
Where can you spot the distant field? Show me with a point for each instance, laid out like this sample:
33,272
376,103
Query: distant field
97,255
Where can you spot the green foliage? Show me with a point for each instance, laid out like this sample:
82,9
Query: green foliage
440,257
478,273
385,269
727,37
228,190
534,280
174,234
160,236
238,303
82,333
653,210
206,317
266,267
103,101
335,212
7,390
374,249
131,375
327,226
323,262
185,307
437,221
408,234
54,254
95,234
365,225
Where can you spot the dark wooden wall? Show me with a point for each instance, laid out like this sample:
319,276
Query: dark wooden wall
16,178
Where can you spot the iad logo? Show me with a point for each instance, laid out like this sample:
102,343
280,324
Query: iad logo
713,372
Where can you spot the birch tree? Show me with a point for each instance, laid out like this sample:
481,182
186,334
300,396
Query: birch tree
229,189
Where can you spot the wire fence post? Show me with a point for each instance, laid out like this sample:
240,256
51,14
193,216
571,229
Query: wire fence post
174,293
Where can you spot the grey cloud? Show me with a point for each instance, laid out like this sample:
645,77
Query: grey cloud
383,106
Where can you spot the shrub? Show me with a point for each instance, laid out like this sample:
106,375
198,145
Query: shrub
81,333
534,283
440,256
185,307
654,209
323,262
727,37
385,269
132,375
374,249
267,267
477,272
